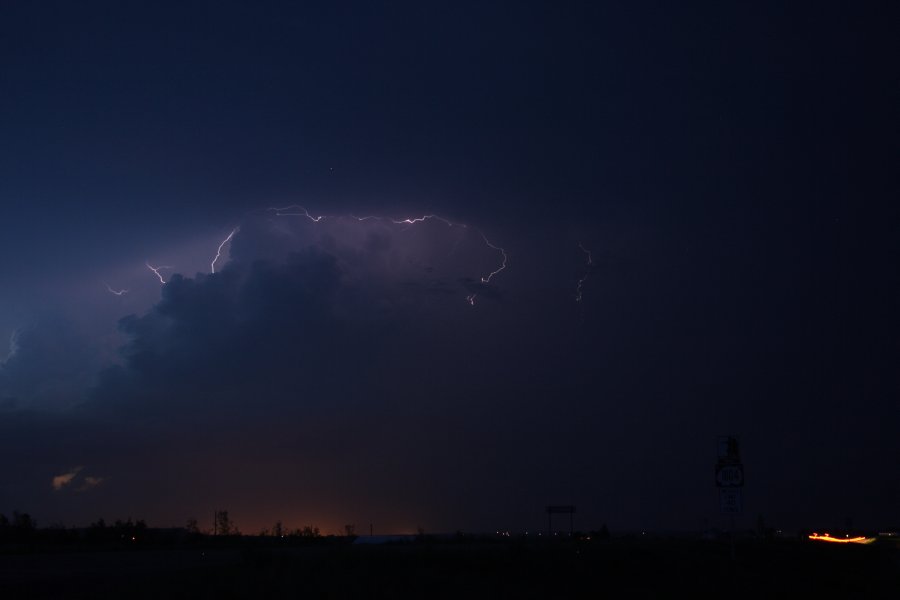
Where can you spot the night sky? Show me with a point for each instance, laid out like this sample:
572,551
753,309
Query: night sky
649,225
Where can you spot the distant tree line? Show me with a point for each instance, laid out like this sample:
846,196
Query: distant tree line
21,528
279,530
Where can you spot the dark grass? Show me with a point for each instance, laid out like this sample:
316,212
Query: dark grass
631,568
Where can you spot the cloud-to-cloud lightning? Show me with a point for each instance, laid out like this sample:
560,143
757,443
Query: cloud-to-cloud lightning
157,269
299,212
414,220
61,481
295,210
487,278
113,291
580,285
212,265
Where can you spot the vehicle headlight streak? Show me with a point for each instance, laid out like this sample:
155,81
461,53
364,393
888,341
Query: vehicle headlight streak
844,540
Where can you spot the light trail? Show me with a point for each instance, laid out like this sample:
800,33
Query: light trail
157,269
590,262
471,299
116,292
844,540
212,265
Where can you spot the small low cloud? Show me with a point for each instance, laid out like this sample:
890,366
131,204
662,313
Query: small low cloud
61,481
89,483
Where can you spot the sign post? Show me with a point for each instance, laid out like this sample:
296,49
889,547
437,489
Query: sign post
560,510
730,479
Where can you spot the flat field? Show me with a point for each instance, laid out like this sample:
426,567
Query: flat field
614,568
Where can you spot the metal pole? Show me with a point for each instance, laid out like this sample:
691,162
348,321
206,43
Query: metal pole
732,537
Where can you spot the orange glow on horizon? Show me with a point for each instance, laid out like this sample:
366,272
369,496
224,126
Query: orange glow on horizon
845,540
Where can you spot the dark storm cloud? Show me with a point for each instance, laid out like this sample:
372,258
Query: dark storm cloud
51,364
728,166
299,313
334,347
325,372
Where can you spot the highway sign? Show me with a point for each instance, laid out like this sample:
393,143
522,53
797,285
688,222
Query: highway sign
729,475
728,448
730,501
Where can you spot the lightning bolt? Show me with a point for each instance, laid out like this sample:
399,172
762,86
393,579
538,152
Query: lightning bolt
157,269
295,210
590,262
280,212
487,279
413,221
212,265
116,292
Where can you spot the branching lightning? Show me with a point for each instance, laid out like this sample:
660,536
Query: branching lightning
157,269
414,220
487,278
296,210
212,265
299,212
580,285
116,292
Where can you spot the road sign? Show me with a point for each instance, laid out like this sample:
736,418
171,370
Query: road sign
730,501
729,475
728,448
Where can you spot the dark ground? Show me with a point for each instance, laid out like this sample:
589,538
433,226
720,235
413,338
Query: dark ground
627,567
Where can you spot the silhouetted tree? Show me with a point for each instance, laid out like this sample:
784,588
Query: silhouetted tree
307,531
23,522
223,525
192,526
97,531
349,530
128,530
23,526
